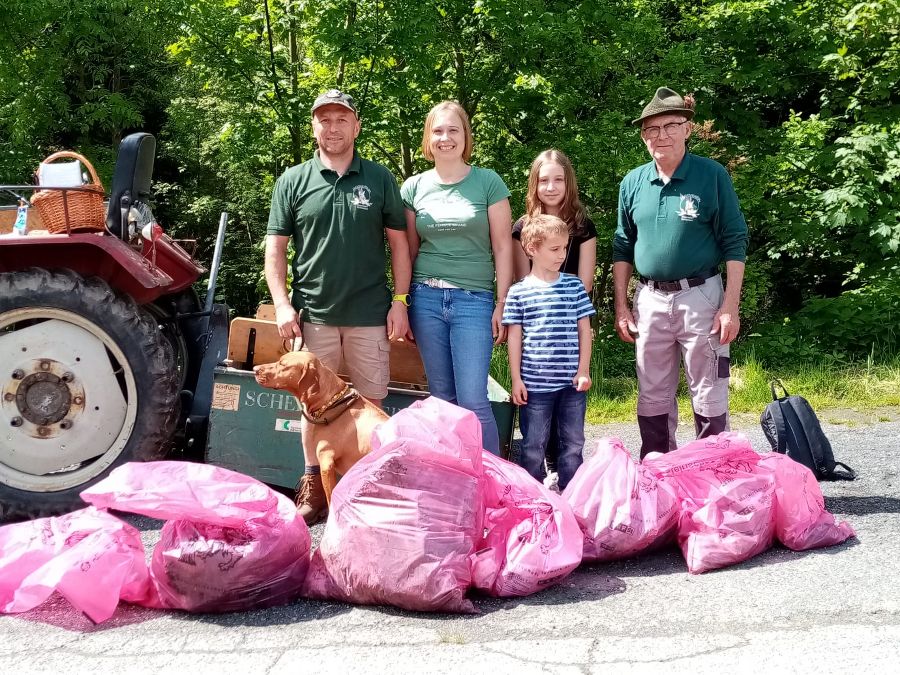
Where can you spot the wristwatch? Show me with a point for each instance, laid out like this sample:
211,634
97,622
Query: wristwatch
401,297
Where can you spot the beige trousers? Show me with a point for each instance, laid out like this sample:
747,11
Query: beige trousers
674,328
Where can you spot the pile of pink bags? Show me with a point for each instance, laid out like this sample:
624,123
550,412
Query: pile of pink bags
727,511
402,524
621,507
91,558
801,521
421,521
229,543
723,502
532,539
428,514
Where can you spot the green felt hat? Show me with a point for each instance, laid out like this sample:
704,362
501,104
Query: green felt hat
665,102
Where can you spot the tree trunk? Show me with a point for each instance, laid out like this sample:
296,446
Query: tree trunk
348,26
406,151
296,118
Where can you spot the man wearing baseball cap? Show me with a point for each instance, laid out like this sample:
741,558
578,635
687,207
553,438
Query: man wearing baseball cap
679,220
337,208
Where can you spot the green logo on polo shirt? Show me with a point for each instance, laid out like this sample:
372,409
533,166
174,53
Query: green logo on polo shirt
362,197
690,205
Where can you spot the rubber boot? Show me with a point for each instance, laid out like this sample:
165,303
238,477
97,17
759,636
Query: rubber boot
311,503
655,435
710,426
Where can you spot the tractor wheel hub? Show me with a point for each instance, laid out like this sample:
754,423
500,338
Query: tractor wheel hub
43,398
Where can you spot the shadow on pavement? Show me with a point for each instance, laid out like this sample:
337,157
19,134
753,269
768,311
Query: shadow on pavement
57,612
585,583
298,611
141,523
661,562
669,561
862,506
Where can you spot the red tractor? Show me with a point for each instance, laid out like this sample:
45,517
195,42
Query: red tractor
106,351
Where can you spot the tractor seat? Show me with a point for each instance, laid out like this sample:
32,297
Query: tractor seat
131,180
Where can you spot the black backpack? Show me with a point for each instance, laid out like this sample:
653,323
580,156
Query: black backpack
792,428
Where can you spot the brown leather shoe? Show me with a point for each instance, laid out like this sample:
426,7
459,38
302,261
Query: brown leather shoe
310,499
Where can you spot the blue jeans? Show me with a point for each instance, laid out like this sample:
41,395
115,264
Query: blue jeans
564,408
452,327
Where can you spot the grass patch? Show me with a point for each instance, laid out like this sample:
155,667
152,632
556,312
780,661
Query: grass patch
861,385
453,639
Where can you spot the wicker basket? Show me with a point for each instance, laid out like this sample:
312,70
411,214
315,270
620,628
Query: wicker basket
73,210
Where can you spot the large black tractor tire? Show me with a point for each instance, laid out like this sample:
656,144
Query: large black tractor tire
88,383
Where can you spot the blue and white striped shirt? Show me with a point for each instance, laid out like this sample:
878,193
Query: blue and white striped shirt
548,314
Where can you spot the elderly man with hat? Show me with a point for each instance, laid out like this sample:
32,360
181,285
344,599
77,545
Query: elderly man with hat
338,208
679,220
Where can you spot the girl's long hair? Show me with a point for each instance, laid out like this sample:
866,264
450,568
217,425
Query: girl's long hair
571,210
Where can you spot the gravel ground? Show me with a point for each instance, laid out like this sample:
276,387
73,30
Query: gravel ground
829,611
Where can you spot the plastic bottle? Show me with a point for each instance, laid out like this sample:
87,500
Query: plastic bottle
21,224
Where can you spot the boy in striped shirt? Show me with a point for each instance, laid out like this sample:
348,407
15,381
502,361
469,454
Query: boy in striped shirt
548,315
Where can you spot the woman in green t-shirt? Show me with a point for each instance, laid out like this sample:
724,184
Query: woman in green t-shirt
458,224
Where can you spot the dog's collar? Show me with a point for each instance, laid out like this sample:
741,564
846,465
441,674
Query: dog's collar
343,398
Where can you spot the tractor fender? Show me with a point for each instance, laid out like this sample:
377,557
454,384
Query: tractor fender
109,258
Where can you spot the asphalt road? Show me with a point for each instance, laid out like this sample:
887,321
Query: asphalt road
835,610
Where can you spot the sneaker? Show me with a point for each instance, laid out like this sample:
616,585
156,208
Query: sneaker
551,481
311,503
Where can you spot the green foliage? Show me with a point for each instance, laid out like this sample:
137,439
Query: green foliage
77,75
861,384
797,98
835,330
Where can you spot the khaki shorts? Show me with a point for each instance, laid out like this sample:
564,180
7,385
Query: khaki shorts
362,352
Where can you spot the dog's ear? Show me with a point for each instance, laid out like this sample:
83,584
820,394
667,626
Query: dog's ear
328,378
308,382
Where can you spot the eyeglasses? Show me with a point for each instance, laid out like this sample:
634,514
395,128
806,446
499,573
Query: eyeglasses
652,133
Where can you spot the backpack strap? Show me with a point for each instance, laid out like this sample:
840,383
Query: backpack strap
840,475
778,383
781,429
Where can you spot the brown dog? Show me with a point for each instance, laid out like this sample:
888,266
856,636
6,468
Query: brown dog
337,421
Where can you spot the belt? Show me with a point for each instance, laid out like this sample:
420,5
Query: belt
679,284
438,283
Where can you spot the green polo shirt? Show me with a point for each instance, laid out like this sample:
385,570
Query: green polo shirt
680,229
337,224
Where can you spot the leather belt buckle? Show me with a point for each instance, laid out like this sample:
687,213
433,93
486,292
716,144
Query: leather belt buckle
667,286
438,283
678,284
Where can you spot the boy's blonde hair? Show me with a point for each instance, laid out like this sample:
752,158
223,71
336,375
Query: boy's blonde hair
538,228
460,112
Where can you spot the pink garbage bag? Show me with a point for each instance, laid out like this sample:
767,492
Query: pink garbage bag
533,540
406,518
91,558
619,504
801,521
727,500
229,543
447,429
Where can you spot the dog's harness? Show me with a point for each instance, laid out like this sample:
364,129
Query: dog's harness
343,399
